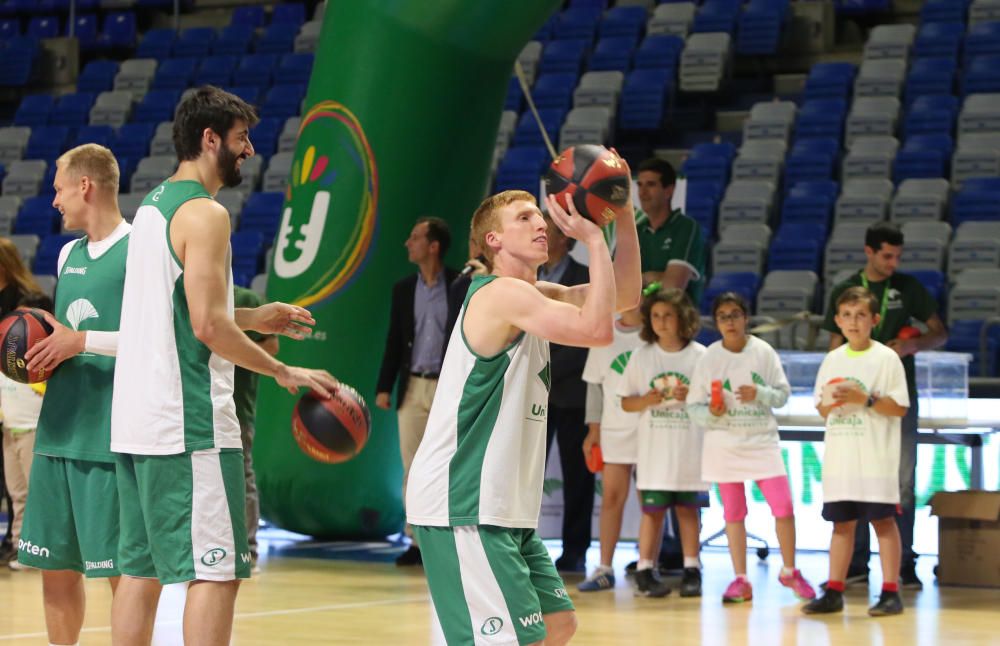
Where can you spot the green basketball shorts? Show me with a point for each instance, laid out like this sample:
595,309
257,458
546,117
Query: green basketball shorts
490,584
182,516
71,517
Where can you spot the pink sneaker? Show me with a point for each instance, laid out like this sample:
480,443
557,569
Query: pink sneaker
798,584
738,591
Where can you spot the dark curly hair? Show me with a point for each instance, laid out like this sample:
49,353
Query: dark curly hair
679,300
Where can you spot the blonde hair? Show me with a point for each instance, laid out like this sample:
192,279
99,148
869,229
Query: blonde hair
487,216
14,271
93,161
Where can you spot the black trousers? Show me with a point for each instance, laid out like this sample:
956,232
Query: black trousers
568,427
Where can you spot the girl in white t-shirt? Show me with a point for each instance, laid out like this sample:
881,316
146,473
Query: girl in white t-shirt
668,473
614,431
734,388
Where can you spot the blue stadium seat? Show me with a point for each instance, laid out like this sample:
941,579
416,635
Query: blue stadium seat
964,336
554,91
47,142
252,15
97,76
938,40
599,5
743,283
216,70
255,69
544,33
72,109
248,252
9,28
923,156
861,7
103,135
156,43
277,39
658,51
119,31
797,246
527,132
563,56
929,76
233,40
43,27
133,141
156,106
85,30
935,282
252,94
612,54
821,119
18,55
810,202
515,96
262,213
709,163
47,255
194,42
174,74
716,16
982,40
34,109
931,115
981,75
288,13
577,23
977,200
521,168
294,68
760,26
37,217
702,205
811,160
284,100
830,81
944,11
623,22
264,136
645,99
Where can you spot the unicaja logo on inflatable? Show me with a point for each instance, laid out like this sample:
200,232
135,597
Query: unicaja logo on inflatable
330,202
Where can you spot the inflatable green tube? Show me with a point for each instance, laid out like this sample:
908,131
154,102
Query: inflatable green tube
403,108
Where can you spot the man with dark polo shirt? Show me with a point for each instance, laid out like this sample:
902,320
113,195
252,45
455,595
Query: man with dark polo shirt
415,344
671,244
245,397
901,298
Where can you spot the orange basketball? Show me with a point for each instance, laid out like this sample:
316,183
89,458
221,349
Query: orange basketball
595,178
332,430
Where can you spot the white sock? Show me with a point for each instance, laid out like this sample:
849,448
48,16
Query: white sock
692,561
644,564
742,577
604,569
787,571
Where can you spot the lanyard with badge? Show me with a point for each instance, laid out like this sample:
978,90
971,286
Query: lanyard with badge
885,300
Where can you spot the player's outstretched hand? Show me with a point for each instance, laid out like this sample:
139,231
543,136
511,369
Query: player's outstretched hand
62,344
292,378
572,223
284,319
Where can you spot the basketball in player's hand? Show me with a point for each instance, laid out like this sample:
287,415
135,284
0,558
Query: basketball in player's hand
332,430
19,332
908,332
594,178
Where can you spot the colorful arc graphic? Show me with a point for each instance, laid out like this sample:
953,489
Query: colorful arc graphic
313,169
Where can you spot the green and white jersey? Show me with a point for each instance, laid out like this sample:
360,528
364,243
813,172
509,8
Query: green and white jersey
75,421
172,393
482,458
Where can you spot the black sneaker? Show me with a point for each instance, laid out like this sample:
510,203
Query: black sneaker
889,603
410,557
647,585
670,563
691,582
831,601
571,564
630,568
7,553
908,578
854,576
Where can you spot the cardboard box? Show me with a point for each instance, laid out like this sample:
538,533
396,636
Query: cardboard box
968,537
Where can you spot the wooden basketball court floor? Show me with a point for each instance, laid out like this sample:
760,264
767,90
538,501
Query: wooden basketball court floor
351,593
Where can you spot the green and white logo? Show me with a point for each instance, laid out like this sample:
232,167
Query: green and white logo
213,556
546,376
618,365
79,311
492,626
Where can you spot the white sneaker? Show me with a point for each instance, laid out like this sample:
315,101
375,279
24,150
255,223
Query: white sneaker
16,566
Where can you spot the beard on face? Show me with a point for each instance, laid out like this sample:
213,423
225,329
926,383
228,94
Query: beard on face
228,170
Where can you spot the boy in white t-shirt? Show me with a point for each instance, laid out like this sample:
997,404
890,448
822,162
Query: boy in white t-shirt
861,392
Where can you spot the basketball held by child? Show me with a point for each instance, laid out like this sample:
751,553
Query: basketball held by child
594,178
19,332
331,430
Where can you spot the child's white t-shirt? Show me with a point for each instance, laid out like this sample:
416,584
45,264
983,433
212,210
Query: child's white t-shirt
742,444
605,366
670,445
20,403
861,453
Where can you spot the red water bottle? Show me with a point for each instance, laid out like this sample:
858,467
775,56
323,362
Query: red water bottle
716,394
